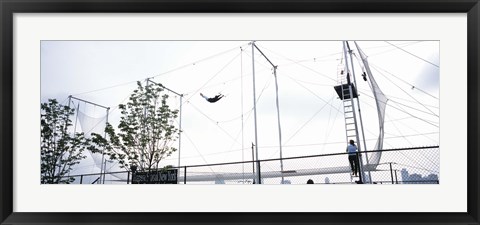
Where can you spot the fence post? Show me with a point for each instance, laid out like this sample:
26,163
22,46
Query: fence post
360,167
128,177
259,172
391,172
81,179
396,178
185,175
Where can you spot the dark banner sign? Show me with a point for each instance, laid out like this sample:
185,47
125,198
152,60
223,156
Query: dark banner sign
158,177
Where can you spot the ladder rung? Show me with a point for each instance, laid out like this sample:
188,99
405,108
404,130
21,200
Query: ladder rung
349,123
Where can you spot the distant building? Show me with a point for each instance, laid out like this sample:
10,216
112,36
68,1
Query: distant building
416,178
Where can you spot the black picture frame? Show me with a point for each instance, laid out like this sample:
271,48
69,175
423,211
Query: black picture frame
9,7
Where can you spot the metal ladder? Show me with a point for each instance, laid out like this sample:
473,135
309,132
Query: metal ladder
351,128
349,114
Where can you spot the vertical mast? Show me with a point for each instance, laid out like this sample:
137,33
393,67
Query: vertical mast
278,121
180,130
359,114
180,112
278,109
255,113
241,108
104,161
352,105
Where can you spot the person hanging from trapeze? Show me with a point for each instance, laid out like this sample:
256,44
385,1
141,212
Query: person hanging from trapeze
214,99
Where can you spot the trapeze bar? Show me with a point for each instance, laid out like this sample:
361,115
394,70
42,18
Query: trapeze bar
89,102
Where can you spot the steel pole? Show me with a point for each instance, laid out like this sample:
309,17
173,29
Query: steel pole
180,129
362,176
391,173
278,121
255,113
360,114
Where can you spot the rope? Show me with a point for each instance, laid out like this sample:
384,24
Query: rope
203,158
308,121
198,61
431,106
406,93
411,85
363,93
216,123
401,134
414,55
216,74
105,88
383,46
313,93
164,73
327,135
299,64
402,110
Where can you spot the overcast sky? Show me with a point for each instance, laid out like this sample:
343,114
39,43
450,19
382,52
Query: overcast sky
312,121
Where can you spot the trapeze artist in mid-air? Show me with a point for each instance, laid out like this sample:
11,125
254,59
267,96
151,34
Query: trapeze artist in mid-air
214,99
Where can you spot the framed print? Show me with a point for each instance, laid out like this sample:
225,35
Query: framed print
144,71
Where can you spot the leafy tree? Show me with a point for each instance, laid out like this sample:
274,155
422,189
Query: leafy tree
146,130
60,151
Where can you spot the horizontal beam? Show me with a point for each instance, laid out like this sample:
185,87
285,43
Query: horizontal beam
108,108
181,95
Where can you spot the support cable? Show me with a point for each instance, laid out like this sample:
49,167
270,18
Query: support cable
406,93
433,64
411,85
401,104
211,78
164,73
300,64
203,158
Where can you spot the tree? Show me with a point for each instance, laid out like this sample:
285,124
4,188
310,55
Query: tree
146,130
60,151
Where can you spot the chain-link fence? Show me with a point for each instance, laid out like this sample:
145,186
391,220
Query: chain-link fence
419,165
